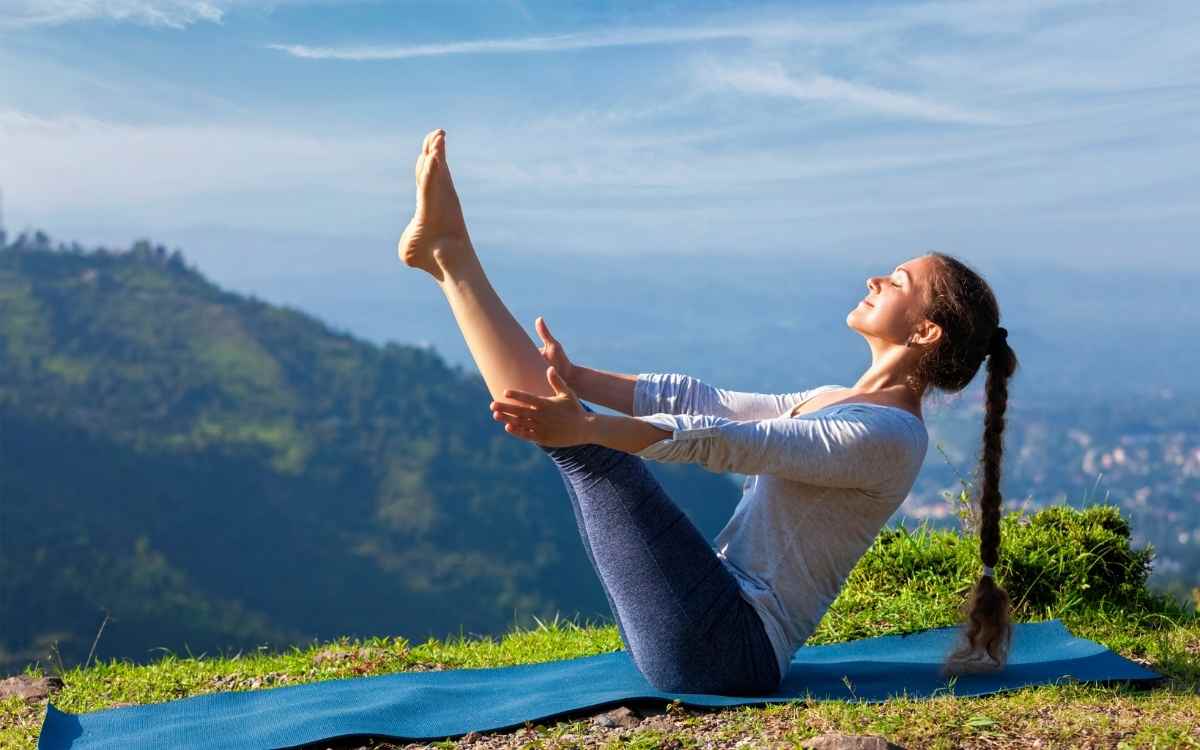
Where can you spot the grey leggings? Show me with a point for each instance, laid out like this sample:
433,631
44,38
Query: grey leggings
678,609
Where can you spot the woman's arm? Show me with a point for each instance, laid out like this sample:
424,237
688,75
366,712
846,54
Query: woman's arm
676,393
856,447
611,389
627,434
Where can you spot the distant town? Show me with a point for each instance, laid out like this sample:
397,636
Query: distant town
1140,453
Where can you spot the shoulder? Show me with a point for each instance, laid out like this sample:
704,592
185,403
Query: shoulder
888,426
889,442
825,389
802,396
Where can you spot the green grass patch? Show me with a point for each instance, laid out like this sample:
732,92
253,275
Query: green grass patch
1058,563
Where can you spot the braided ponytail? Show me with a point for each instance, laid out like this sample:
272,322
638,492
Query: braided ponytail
963,305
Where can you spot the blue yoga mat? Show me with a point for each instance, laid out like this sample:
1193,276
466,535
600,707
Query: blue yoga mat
434,705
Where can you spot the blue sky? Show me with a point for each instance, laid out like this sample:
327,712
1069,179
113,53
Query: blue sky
257,135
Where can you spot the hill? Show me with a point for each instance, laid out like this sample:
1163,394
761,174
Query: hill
186,468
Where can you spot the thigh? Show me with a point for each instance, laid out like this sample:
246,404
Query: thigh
681,612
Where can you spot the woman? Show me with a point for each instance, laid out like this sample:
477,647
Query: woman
827,466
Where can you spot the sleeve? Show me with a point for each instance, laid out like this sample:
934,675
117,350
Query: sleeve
851,448
676,393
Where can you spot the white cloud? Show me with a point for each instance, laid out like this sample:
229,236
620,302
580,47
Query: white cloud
170,13
1061,133
177,173
827,27
174,14
633,36
773,80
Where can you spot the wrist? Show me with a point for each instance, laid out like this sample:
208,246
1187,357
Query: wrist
595,427
573,377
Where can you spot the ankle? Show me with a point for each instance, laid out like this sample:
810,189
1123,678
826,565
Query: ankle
457,263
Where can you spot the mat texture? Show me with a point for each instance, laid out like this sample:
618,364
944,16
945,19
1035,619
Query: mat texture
436,705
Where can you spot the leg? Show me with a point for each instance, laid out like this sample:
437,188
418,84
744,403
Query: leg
436,241
679,611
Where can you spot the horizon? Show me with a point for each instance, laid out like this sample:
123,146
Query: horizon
1064,323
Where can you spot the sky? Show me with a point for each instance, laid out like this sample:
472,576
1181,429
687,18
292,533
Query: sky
280,137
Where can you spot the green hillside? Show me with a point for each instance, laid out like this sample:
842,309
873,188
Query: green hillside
1077,566
195,469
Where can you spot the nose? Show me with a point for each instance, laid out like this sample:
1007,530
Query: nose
872,281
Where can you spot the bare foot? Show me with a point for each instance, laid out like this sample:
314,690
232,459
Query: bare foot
437,234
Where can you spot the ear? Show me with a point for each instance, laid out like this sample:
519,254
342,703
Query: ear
928,333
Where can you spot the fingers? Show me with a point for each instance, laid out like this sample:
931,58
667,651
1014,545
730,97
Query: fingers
518,419
528,398
519,410
556,380
518,432
510,418
515,426
544,330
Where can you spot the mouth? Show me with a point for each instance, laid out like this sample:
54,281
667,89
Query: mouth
868,304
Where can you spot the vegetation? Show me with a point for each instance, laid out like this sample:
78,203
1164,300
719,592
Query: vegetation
257,495
1057,563
201,470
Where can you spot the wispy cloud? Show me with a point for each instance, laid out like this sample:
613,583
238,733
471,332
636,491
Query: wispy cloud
165,13
172,14
831,28
782,127
772,80
564,42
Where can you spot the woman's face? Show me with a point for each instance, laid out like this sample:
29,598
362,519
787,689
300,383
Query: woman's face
894,303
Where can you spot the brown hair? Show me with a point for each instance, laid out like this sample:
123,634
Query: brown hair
962,303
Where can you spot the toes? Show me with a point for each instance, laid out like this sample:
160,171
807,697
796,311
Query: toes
427,144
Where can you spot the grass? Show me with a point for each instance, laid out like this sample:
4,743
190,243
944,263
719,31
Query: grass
1074,565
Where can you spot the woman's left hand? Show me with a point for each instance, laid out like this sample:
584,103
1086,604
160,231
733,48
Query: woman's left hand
554,421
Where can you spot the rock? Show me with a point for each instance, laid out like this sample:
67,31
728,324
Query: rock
470,737
659,723
836,741
29,688
621,717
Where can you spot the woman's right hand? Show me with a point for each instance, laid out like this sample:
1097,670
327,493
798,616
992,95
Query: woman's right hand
554,354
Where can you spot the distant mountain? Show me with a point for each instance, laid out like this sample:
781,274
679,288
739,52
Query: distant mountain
196,469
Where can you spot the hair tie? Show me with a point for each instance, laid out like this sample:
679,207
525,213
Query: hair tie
999,337
987,571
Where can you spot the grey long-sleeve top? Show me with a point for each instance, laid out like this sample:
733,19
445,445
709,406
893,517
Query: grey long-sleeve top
820,487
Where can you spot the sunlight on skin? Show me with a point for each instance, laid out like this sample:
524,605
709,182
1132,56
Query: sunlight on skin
436,241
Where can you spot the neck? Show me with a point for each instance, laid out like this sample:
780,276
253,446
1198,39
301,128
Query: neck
886,378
